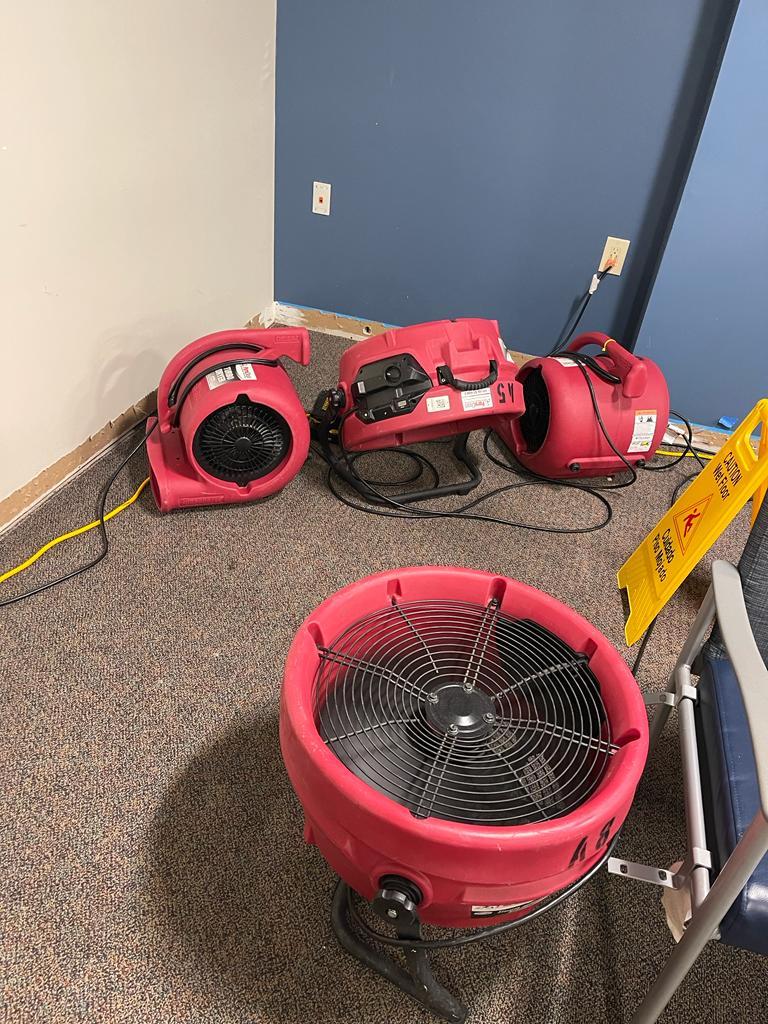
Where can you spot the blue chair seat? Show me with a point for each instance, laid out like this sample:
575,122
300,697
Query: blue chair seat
731,796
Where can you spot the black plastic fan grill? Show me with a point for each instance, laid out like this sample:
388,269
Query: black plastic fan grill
534,423
242,442
458,711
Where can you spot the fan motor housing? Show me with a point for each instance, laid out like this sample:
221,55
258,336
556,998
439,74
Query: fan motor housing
558,435
231,425
426,381
467,873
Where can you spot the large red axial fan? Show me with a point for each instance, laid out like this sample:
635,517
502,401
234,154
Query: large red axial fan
559,434
463,746
230,426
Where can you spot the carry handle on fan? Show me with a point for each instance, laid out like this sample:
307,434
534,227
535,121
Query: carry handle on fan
629,368
270,344
445,376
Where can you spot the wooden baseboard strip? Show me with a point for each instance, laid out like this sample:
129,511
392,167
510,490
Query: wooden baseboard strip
29,497
288,315
339,324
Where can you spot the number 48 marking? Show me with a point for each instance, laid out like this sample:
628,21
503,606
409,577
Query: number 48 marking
580,853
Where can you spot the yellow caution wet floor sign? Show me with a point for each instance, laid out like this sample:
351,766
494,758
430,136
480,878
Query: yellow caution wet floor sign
683,535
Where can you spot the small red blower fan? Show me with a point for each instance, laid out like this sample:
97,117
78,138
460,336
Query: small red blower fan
559,434
230,426
465,749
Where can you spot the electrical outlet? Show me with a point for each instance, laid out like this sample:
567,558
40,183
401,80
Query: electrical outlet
615,249
321,197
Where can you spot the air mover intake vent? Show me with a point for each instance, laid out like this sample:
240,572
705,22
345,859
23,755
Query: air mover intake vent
458,711
241,442
534,423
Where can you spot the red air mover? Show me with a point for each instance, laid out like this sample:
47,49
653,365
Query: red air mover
230,426
559,435
423,382
418,383
463,746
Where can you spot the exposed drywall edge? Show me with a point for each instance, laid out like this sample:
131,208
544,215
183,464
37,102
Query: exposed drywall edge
32,495
265,318
339,324
351,327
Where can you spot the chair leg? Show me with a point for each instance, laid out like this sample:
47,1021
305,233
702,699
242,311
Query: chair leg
725,890
681,673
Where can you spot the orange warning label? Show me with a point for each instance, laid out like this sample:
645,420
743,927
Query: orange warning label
687,521
685,533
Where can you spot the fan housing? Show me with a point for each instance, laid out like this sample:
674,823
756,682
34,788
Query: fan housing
461,731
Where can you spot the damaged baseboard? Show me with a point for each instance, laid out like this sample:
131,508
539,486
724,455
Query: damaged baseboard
341,326
351,327
29,497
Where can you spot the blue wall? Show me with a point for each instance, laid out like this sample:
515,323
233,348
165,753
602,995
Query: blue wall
707,320
481,151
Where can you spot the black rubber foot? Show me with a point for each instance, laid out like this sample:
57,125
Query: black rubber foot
417,982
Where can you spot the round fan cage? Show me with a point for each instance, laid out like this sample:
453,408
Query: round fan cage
458,711
241,442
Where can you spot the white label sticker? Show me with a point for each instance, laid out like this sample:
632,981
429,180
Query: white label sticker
494,909
482,399
245,371
218,377
645,428
438,403
565,361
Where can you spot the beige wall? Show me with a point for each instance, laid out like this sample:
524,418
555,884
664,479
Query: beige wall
136,203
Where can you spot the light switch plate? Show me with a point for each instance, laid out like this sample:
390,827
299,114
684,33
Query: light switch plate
321,198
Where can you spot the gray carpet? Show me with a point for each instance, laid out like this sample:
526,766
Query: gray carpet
154,869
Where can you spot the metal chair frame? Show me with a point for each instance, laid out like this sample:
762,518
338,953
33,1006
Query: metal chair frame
711,899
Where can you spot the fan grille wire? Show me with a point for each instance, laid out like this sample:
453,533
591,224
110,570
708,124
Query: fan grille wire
458,711
242,442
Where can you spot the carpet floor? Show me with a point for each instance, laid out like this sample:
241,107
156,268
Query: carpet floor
153,862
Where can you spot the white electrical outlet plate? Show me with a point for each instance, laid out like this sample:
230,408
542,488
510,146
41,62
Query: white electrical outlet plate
321,197
616,249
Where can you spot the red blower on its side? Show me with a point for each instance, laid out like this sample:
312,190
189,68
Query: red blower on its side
423,382
419,383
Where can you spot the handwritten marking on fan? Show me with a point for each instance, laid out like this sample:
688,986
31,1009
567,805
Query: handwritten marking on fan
655,570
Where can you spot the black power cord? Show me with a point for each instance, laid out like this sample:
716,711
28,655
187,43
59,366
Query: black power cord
687,443
101,512
344,468
482,933
688,447
682,484
643,645
581,310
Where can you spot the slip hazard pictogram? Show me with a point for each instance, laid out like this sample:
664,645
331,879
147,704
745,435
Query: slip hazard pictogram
687,521
684,534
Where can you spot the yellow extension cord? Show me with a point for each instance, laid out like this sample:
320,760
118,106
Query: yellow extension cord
73,533
688,455
116,511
